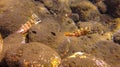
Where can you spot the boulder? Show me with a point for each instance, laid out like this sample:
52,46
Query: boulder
57,7
86,10
113,7
40,8
80,59
13,14
50,29
45,32
75,17
114,25
68,45
105,18
1,44
95,27
116,37
13,41
107,50
68,25
102,7
32,54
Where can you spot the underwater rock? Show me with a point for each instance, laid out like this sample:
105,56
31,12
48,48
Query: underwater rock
58,17
32,55
80,59
116,37
13,14
64,44
68,25
113,7
13,41
105,18
50,29
72,2
86,10
57,7
14,38
48,3
69,45
95,27
95,1
114,25
101,6
107,50
40,7
75,17
45,32
1,44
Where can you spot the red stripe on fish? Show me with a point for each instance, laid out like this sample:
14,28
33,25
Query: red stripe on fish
78,32
25,27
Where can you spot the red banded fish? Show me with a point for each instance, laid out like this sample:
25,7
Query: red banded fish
25,27
81,32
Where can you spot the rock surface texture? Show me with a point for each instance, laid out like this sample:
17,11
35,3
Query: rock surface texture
60,33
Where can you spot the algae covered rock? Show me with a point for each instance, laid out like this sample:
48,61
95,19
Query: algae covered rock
13,14
86,10
40,8
46,43
116,37
113,7
114,25
110,52
32,54
95,27
80,59
13,41
104,18
57,7
67,24
45,32
1,43
14,38
75,17
50,29
101,6
69,45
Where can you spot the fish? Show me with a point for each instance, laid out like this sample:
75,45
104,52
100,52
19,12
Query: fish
80,32
1,43
32,21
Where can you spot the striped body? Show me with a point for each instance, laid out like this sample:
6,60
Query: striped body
25,27
77,33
